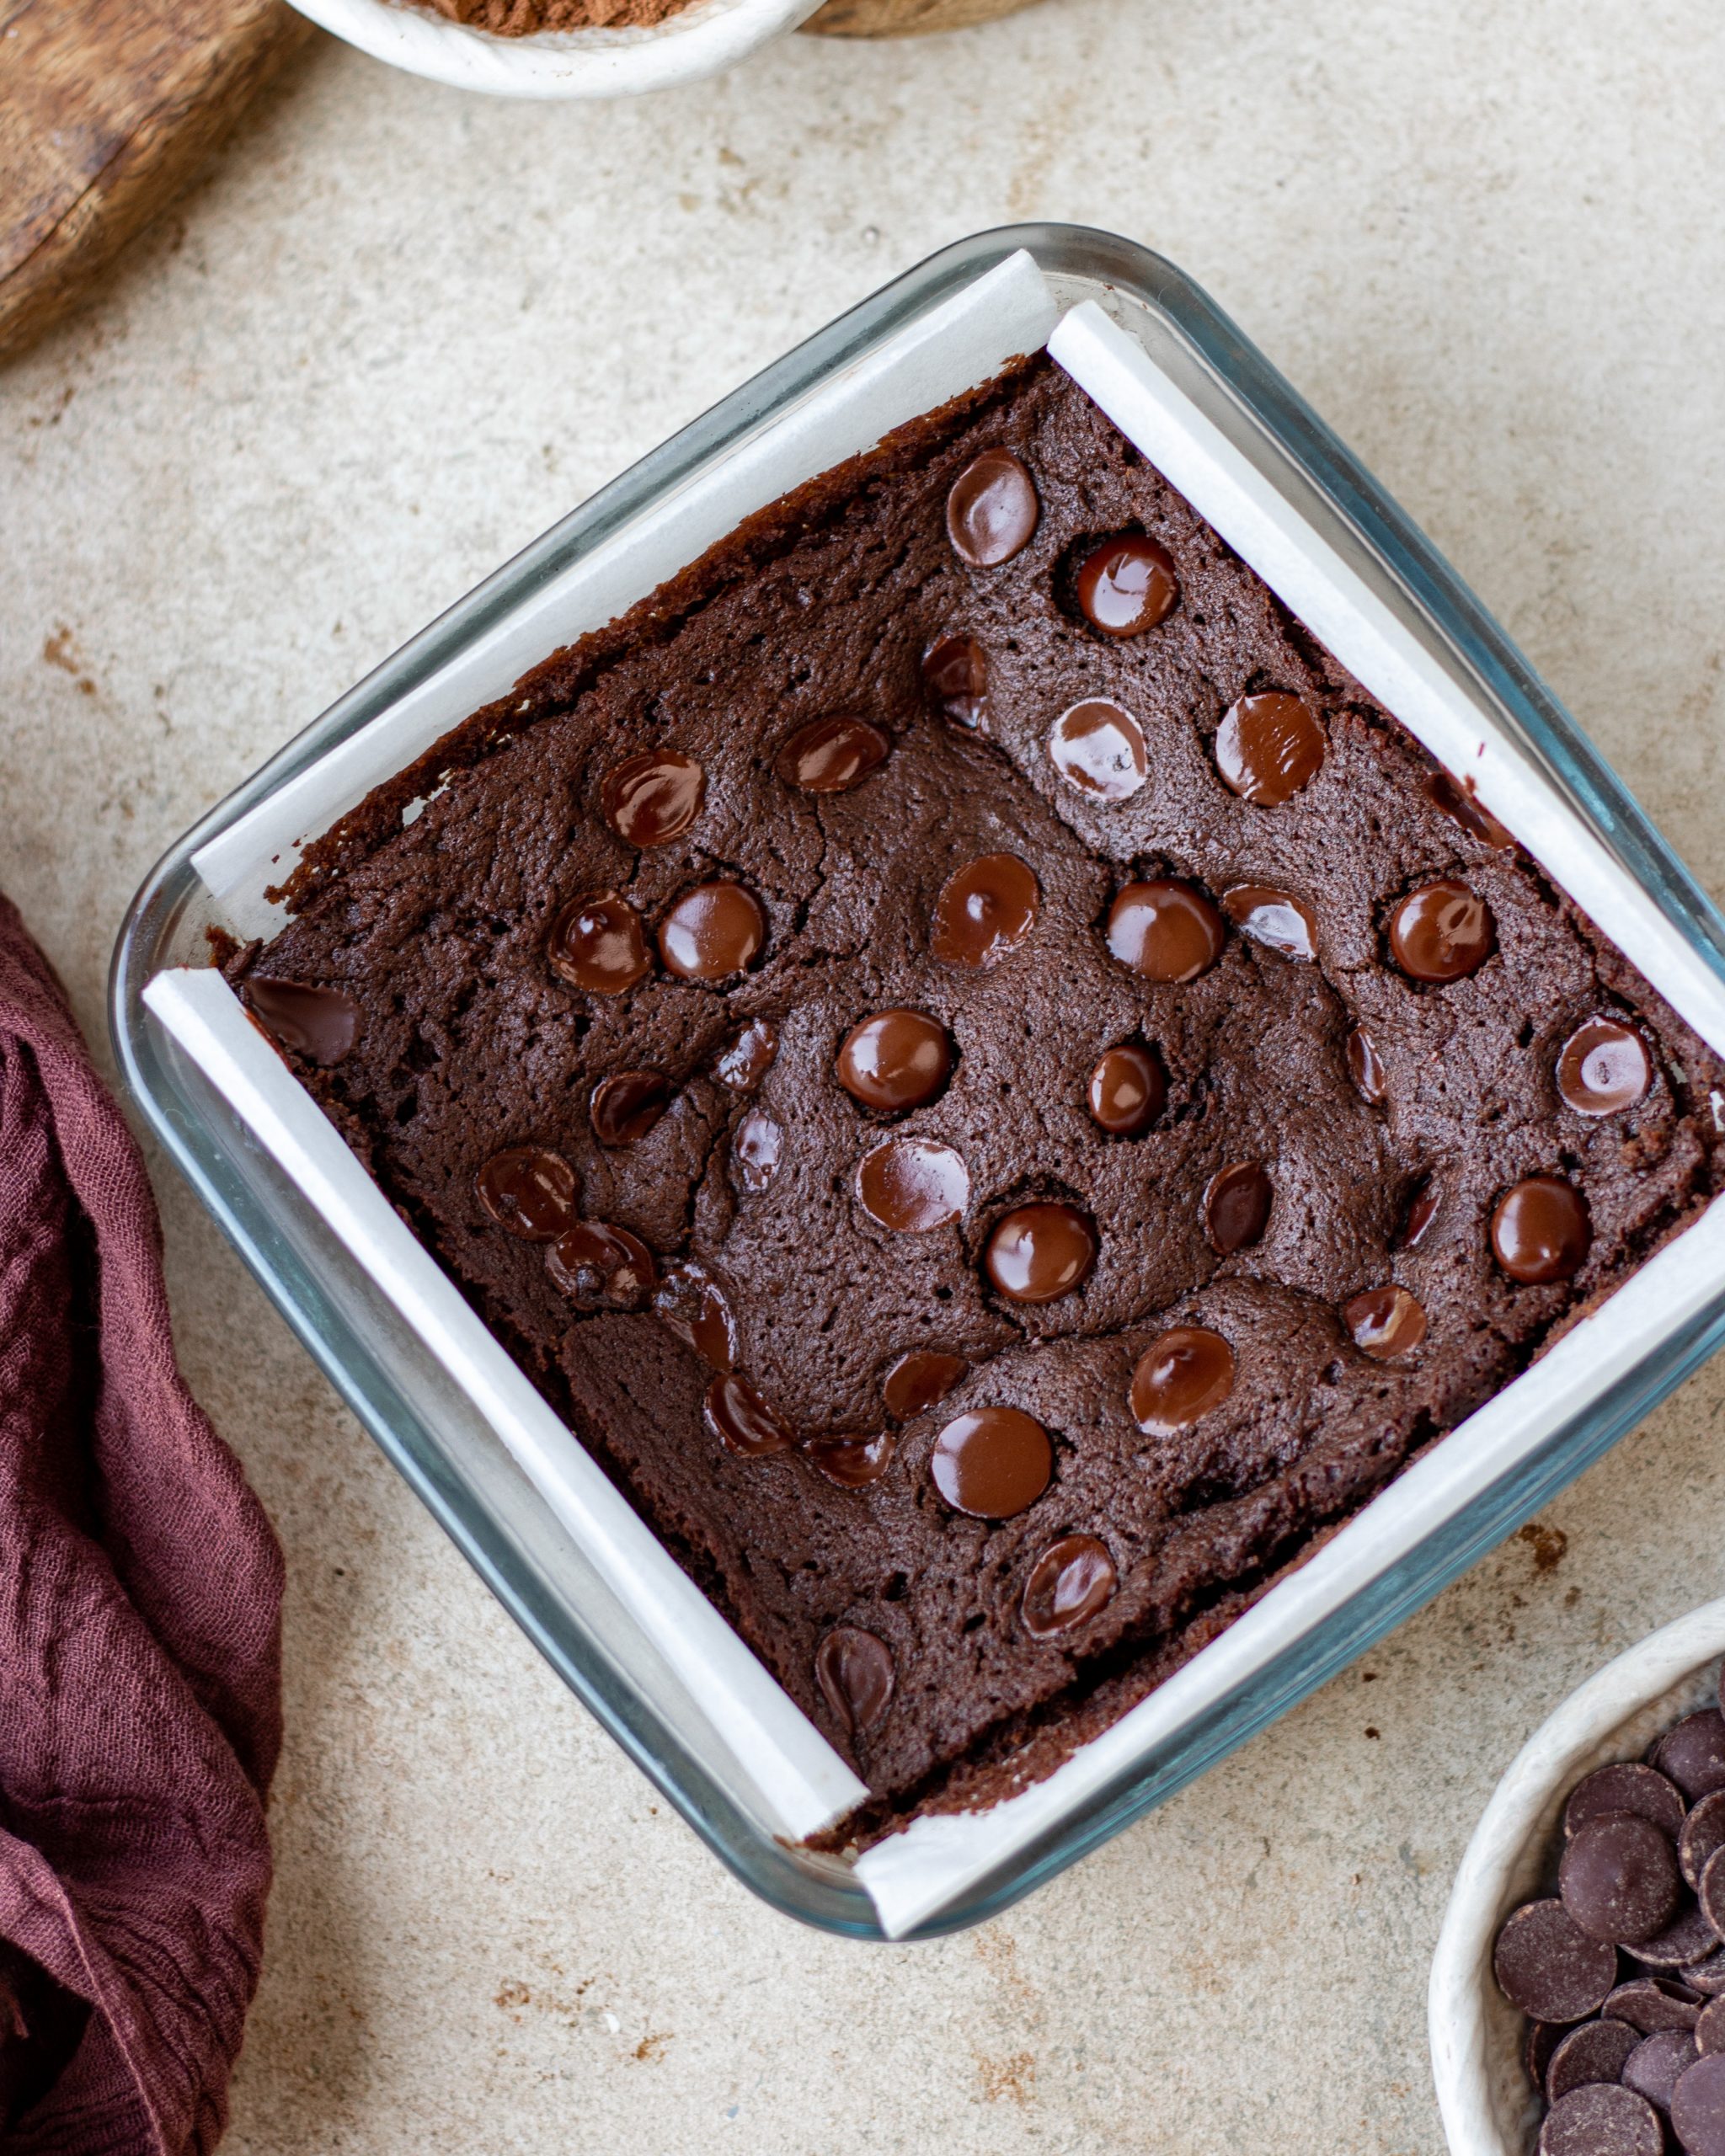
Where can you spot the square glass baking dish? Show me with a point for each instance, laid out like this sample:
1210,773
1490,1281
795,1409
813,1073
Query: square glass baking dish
444,1447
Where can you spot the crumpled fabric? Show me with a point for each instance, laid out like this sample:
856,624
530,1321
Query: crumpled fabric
140,1640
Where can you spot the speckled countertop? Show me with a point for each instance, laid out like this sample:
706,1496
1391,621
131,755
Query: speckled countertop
392,336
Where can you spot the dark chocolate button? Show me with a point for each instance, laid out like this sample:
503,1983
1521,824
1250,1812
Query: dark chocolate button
1461,805
693,1305
652,798
1385,1322
1276,918
854,1671
1179,1377
321,1024
747,1057
916,1381
1595,2051
992,510
1165,930
1698,2107
1627,1786
1687,1937
1365,1068
1619,1878
1127,1092
830,755
1423,1209
1601,2119
1541,1231
625,1106
1604,1068
1538,2047
598,945
712,932
1650,2003
1710,1893
853,1462
913,1184
1441,933
1236,1206
1038,1253
895,1059
955,675
1126,585
1706,1977
1069,1583
1710,2028
741,1419
1658,2063
991,1463
1097,747
531,1193
600,1268
756,1151
1692,1754
987,909
1703,1831
1269,746
1548,1966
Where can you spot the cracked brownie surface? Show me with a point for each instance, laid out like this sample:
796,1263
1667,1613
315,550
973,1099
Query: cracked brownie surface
1192,1311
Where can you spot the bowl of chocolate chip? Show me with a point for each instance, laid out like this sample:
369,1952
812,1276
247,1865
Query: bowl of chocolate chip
1577,1992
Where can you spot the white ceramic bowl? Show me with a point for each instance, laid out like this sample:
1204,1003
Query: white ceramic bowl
702,39
1489,2107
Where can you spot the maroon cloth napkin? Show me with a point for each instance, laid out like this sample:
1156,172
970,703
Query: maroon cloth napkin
140,1613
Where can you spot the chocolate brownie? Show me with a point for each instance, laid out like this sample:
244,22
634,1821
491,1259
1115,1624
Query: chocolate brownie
1002,1095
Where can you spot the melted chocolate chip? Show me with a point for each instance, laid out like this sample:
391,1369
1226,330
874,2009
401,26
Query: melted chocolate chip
916,1381
600,1268
853,1462
1619,1878
1423,1209
1604,1068
746,1057
1275,918
955,675
830,755
1236,1206
712,932
652,798
1541,1230
531,1193
1268,747
690,1303
1461,805
1165,930
992,510
598,945
1038,1253
896,1059
1127,585
625,1106
1698,2107
1442,933
756,1151
1385,1322
1601,2119
321,1024
1069,1583
985,910
1548,1968
741,1419
1595,2051
1179,1378
854,1671
1626,1786
992,1463
1098,748
913,1185
1127,1092
1365,1068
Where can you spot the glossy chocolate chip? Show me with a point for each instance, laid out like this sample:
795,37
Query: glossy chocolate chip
1698,2107
1687,1937
992,1463
985,910
955,675
1365,1068
1601,2119
1692,1753
757,1149
747,1057
1595,2051
741,1419
1619,1878
1604,1068
1276,918
1710,2028
854,1673
1097,747
1442,933
1038,1253
321,1024
1181,1376
918,1380
1385,1323
913,1185
625,1106
992,510
1126,585
1423,1209
1236,1206
830,755
1165,930
1626,1786
652,798
529,1192
1541,1230
1462,806
693,1305
712,932
1658,2063
1703,1831
1127,1092
1268,747
1548,1966
600,1268
895,1059
1650,2003
853,1462
1069,1583
599,945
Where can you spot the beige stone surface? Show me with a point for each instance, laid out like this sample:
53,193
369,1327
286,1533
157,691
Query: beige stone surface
394,335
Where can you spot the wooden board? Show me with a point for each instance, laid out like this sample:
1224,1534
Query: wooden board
107,109
905,18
